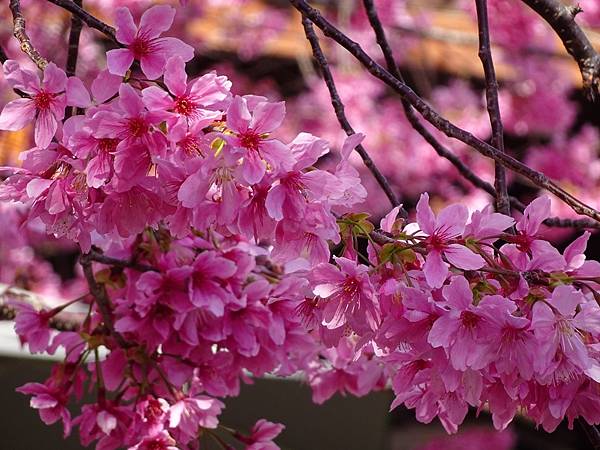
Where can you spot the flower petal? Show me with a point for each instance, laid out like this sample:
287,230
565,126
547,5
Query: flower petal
17,114
156,21
126,29
119,61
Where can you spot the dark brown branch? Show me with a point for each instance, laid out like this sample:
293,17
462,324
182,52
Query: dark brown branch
338,107
73,52
20,33
441,123
115,262
562,20
491,96
86,17
98,291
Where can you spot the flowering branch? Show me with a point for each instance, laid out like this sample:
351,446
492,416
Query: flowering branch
86,17
441,123
562,20
21,35
338,107
491,95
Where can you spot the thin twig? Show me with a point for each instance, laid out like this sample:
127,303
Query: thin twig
86,17
100,295
20,33
441,123
73,52
338,107
493,107
562,20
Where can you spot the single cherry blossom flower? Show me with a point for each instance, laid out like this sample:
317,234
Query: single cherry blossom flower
144,44
441,241
46,104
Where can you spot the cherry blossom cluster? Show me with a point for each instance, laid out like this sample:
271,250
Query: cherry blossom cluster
215,252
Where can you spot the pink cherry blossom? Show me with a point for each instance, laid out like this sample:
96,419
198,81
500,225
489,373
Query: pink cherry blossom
46,105
442,233
144,44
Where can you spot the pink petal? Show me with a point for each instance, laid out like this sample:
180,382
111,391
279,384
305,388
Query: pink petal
387,222
77,94
458,293
274,202
253,168
126,29
350,143
442,332
130,101
238,116
266,117
105,85
156,99
153,65
435,269
533,216
175,76
17,114
170,46
566,299
119,61
463,258
45,128
18,78
156,21
425,216
452,219
55,79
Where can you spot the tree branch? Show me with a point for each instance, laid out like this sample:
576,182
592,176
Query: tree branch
338,107
491,95
100,295
20,33
562,20
442,124
86,17
115,262
73,52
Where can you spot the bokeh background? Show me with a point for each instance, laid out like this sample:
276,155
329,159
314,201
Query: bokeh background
260,45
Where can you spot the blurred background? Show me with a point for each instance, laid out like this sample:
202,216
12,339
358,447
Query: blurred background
260,45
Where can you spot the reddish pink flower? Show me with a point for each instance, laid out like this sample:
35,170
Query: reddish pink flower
144,44
190,413
263,433
46,105
187,104
348,296
441,241
252,121
32,327
51,403
560,329
464,331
